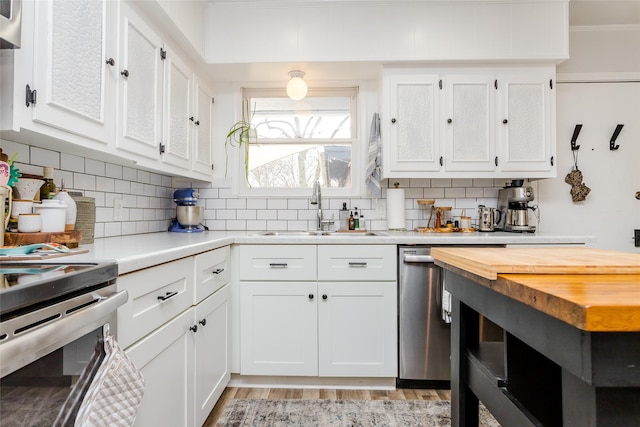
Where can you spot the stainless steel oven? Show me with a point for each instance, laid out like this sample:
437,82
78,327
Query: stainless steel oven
52,316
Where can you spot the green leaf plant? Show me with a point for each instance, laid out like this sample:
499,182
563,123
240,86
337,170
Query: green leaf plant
241,134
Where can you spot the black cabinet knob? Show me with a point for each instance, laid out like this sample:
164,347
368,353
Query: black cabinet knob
194,328
111,62
203,322
324,296
393,120
125,73
197,122
505,121
310,296
191,118
449,121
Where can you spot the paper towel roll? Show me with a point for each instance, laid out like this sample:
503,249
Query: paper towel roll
395,209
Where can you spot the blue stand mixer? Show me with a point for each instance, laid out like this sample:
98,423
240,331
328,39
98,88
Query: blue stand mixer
188,215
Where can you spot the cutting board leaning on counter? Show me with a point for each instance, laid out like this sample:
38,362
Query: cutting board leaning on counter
570,354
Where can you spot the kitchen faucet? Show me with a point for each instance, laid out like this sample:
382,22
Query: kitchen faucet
316,199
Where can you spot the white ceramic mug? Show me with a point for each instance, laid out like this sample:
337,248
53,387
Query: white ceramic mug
29,223
21,206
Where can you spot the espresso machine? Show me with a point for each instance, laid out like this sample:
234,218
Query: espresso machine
188,214
513,204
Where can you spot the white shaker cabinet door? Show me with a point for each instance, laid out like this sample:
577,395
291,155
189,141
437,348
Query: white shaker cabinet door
165,359
468,122
525,121
411,124
278,328
177,124
202,120
212,351
75,68
141,93
357,329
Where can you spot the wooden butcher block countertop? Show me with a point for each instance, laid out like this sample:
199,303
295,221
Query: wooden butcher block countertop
594,290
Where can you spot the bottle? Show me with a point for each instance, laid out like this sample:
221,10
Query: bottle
356,219
48,189
343,215
361,223
71,210
352,222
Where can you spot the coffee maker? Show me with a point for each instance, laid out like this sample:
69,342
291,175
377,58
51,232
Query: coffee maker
188,215
513,204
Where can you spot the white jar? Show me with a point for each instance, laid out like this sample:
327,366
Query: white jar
19,207
29,223
53,213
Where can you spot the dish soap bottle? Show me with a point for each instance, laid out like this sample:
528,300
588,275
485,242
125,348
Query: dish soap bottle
48,189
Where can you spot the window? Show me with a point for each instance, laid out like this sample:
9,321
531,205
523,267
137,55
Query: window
299,142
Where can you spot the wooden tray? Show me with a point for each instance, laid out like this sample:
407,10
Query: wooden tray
70,239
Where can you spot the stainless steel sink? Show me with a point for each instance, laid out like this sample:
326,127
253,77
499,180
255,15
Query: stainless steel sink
318,233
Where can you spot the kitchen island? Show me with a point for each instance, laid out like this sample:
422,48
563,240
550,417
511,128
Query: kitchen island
571,349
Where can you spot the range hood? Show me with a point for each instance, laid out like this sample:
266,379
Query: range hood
10,23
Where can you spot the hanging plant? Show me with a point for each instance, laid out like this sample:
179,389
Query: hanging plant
241,134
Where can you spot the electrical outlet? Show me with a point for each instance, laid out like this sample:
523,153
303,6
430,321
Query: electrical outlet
636,237
117,210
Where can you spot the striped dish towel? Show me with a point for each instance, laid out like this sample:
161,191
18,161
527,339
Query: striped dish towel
373,174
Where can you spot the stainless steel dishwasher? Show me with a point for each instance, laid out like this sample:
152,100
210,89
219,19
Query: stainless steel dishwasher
424,344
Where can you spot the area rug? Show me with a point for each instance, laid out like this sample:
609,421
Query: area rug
352,413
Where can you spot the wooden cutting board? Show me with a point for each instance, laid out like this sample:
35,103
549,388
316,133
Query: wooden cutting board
489,262
70,239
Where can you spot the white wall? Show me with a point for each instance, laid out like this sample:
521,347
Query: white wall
610,212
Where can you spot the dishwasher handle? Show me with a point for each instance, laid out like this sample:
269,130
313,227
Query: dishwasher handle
418,259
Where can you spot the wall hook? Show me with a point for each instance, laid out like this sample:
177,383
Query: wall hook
612,143
574,138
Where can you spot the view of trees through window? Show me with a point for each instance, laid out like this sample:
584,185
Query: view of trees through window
301,141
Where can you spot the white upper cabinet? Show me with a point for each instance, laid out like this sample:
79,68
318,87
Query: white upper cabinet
141,90
175,148
468,123
478,123
202,120
411,116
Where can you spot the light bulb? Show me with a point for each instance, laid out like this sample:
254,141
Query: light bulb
296,87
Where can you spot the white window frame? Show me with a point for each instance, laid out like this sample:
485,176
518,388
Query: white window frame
357,170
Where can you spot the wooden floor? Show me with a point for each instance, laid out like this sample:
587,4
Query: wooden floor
331,394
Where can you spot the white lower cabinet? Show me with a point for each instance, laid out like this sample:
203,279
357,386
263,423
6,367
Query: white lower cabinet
325,327
164,357
181,344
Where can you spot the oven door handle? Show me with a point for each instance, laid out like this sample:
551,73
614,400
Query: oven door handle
38,342
423,259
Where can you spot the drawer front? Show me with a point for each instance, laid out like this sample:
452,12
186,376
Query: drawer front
213,271
156,295
278,262
357,262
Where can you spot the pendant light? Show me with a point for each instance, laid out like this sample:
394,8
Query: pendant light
296,87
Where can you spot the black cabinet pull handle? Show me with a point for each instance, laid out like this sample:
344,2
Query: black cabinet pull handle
449,120
111,62
551,160
193,328
505,121
357,264
393,120
218,271
324,296
496,160
278,265
167,295
203,322
441,160
125,73
310,296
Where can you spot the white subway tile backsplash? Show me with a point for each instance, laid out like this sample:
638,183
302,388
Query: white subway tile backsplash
303,204
142,202
42,157
71,163
236,225
277,203
236,204
129,174
433,193
105,184
226,214
95,167
144,177
257,225
474,192
84,182
122,187
440,182
256,203
453,193
215,204
246,214
113,171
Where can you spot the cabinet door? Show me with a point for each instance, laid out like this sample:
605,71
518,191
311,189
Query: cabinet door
357,329
278,328
468,123
141,70
525,122
203,120
165,359
412,140
177,126
76,86
212,347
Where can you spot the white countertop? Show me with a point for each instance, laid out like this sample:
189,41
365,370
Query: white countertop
135,252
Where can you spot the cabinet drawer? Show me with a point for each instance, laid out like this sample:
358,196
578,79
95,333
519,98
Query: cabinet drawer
278,262
357,262
156,295
212,272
